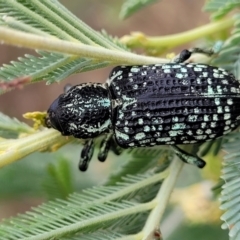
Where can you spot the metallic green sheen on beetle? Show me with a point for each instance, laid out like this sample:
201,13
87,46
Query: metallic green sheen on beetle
147,105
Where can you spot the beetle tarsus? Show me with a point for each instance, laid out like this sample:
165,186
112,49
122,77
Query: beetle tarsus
188,158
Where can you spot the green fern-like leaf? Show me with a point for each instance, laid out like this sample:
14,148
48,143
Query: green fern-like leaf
98,235
146,158
129,7
59,181
228,56
230,201
11,127
48,21
221,7
119,207
41,15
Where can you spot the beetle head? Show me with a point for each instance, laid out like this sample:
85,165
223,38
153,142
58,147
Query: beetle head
83,111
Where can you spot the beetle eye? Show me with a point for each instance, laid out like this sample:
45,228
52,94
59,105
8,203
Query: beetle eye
52,119
54,122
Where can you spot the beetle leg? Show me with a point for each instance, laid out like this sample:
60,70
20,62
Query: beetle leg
104,147
186,54
108,143
115,147
183,56
86,155
208,52
188,158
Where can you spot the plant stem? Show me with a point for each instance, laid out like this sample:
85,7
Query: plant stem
139,40
28,40
162,198
12,150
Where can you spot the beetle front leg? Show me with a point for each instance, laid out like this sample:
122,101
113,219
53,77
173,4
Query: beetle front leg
86,155
188,158
105,147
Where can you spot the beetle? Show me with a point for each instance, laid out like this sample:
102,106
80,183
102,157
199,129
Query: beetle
146,105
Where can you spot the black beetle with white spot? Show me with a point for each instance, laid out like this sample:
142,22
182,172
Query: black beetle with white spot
147,105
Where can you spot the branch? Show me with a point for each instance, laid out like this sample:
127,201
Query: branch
28,40
162,199
159,44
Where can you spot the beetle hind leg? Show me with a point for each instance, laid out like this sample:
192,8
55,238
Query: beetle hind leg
188,158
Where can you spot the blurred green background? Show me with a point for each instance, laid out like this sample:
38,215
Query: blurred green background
23,183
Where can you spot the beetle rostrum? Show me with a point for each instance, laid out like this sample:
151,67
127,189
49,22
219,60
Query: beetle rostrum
147,105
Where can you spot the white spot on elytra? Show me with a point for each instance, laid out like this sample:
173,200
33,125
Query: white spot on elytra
209,80
229,101
140,136
215,117
213,124
153,128
192,118
197,69
176,66
224,81
135,69
227,116
219,109
201,137
208,131
173,133
166,139
199,132
217,101
228,122
196,110
210,90
227,109
140,121
115,75
179,75
189,132
121,135
167,70
178,126
206,118
146,129
219,89
175,119
183,70
205,74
